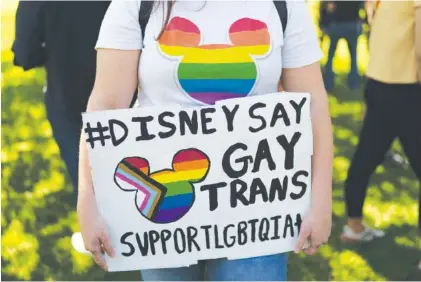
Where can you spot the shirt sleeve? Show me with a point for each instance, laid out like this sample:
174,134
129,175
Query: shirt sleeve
301,45
120,27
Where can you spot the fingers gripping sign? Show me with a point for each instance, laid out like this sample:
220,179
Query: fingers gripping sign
310,238
97,248
98,242
303,241
105,244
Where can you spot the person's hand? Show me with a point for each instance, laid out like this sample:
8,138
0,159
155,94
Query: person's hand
315,229
94,231
331,7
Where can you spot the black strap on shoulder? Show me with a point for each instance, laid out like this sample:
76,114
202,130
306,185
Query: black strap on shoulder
281,7
144,14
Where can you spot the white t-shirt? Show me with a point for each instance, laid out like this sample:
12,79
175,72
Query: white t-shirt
211,50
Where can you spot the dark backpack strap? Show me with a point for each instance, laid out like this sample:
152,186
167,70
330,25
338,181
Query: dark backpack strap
281,7
144,14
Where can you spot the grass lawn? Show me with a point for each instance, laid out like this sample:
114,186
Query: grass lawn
38,217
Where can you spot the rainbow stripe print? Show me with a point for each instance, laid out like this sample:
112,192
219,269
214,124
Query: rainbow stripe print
167,195
213,72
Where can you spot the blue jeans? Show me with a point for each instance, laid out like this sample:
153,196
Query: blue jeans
266,268
350,31
66,132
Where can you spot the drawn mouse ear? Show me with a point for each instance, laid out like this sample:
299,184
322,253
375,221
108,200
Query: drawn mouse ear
193,163
252,33
178,35
129,171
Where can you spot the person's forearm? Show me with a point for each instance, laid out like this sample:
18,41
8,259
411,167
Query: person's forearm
322,153
86,189
309,79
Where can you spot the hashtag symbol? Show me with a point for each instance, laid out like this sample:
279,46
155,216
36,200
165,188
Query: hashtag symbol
99,131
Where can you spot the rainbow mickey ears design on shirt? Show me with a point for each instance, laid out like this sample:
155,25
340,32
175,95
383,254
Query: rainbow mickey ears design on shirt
167,195
213,72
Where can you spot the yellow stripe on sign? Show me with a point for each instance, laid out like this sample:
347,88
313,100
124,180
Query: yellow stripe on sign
197,55
188,175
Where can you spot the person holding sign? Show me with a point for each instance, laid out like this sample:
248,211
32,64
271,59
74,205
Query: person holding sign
195,54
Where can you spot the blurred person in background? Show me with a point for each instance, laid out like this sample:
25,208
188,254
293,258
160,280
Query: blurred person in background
393,99
342,20
393,156
61,36
325,10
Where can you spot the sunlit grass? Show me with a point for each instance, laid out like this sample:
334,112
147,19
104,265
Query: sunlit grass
21,249
408,242
38,216
347,265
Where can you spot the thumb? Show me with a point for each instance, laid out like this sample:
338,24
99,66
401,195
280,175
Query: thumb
302,238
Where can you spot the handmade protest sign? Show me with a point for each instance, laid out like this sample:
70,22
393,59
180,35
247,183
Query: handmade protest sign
180,185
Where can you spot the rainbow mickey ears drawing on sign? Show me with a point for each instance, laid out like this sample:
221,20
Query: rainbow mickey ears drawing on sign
218,71
166,195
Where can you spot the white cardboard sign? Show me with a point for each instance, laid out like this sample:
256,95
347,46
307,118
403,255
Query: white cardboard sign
180,185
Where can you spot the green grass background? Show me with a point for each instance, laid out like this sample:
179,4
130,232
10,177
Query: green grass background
38,218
